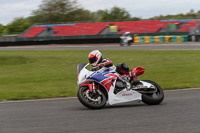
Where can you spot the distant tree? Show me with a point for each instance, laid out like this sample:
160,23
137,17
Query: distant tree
98,15
17,26
190,15
198,14
135,19
115,14
192,11
56,11
179,16
80,15
53,11
2,30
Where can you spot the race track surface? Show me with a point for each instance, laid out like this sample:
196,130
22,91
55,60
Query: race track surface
181,46
179,113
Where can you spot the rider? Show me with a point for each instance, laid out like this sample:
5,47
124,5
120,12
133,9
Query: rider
126,37
97,61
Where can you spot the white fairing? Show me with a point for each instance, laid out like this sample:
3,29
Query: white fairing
126,39
146,84
123,96
83,74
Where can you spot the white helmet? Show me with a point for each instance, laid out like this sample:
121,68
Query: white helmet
127,33
95,57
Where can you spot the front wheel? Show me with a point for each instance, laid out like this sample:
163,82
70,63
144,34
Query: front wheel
153,98
91,100
121,43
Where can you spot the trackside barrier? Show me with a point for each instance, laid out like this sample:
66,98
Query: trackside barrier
146,39
157,39
184,38
141,39
136,39
178,38
162,39
151,39
174,39
167,38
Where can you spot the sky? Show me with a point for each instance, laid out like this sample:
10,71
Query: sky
10,9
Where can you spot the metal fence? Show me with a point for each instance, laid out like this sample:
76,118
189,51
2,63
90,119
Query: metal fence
8,38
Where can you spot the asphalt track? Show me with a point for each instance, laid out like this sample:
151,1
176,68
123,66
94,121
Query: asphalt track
180,46
179,113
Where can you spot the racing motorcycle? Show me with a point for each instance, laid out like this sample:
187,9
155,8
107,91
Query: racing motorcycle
103,86
126,39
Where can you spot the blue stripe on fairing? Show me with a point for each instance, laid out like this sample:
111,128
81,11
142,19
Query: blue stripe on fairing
97,76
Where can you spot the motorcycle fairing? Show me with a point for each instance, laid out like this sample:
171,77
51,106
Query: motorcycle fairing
138,71
106,78
81,74
123,96
90,86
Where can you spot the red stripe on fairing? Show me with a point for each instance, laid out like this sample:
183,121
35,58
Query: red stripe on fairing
108,82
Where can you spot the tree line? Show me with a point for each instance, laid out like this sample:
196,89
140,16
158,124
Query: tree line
69,11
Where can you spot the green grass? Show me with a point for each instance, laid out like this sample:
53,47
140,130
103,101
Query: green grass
45,74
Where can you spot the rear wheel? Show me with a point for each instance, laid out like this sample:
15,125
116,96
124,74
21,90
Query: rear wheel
91,100
129,43
153,98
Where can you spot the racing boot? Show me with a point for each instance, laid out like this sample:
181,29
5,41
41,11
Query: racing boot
133,80
137,85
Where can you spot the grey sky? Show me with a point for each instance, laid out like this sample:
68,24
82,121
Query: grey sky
10,9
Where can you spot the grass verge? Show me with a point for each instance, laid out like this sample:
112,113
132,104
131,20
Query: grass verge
52,73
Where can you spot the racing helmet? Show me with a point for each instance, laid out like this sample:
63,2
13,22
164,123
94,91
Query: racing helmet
95,57
127,33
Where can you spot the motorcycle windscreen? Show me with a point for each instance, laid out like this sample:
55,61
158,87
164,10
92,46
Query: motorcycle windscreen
80,67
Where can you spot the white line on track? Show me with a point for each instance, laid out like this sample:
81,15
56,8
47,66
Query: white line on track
68,98
38,100
184,89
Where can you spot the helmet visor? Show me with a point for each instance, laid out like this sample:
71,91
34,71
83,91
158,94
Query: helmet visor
93,59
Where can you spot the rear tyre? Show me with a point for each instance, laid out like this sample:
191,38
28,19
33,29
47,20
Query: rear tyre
129,43
153,98
91,100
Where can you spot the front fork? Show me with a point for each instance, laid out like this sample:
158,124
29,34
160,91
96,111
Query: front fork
95,89
92,87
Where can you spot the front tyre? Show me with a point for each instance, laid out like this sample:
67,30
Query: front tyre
153,98
90,99
121,43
